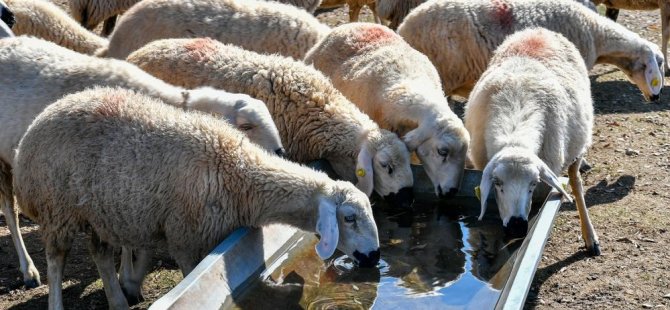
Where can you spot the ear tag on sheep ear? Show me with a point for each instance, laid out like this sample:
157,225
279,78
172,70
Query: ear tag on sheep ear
360,172
654,76
478,193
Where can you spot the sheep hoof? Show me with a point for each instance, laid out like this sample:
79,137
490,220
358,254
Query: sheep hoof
32,283
585,167
594,250
133,299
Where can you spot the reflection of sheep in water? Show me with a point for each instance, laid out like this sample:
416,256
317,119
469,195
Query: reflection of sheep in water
263,27
469,32
530,117
45,20
138,173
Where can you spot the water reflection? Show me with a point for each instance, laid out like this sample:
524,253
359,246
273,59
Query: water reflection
438,256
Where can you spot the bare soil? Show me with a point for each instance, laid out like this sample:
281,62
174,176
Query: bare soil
628,193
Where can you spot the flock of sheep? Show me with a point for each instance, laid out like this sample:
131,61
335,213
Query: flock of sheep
188,120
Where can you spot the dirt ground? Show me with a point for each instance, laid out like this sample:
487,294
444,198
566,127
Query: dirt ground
628,193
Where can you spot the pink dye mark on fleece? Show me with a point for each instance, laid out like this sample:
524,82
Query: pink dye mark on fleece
110,105
372,35
502,13
534,46
201,49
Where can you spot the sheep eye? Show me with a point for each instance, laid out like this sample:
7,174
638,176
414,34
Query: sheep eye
350,218
384,165
443,152
497,182
246,127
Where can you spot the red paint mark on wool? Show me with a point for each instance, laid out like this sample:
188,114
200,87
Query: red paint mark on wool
201,48
534,46
110,105
372,35
502,13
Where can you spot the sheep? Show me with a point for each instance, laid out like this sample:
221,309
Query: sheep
45,20
613,7
264,27
400,89
6,15
308,5
530,116
43,72
314,119
395,10
355,7
89,13
132,171
469,31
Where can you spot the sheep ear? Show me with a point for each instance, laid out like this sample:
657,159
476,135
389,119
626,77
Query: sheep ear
326,227
485,187
653,75
415,137
548,176
364,172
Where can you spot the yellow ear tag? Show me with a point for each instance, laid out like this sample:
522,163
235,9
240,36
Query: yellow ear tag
654,82
565,186
360,172
478,193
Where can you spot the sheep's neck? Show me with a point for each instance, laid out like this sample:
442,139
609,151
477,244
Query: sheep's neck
612,39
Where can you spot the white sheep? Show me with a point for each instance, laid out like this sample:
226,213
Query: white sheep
355,7
45,20
308,5
530,116
6,15
470,30
263,27
613,7
89,13
134,172
399,89
42,72
314,119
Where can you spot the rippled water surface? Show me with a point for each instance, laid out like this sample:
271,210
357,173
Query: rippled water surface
438,256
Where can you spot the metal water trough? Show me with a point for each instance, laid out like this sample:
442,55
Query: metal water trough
246,253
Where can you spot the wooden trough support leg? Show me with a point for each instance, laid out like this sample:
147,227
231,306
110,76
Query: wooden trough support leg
588,233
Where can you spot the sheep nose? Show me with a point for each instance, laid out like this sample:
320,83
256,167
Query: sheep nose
367,261
655,97
403,199
444,194
8,17
280,152
516,227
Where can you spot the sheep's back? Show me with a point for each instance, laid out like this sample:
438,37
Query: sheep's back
310,114
264,27
126,165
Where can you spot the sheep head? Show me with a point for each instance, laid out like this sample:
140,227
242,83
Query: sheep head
345,222
514,173
247,114
442,146
383,164
643,67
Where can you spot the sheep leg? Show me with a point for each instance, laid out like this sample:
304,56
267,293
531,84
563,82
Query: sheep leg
31,277
354,9
588,233
103,255
132,273
665,29
612,14
55,265
108,26
373,8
